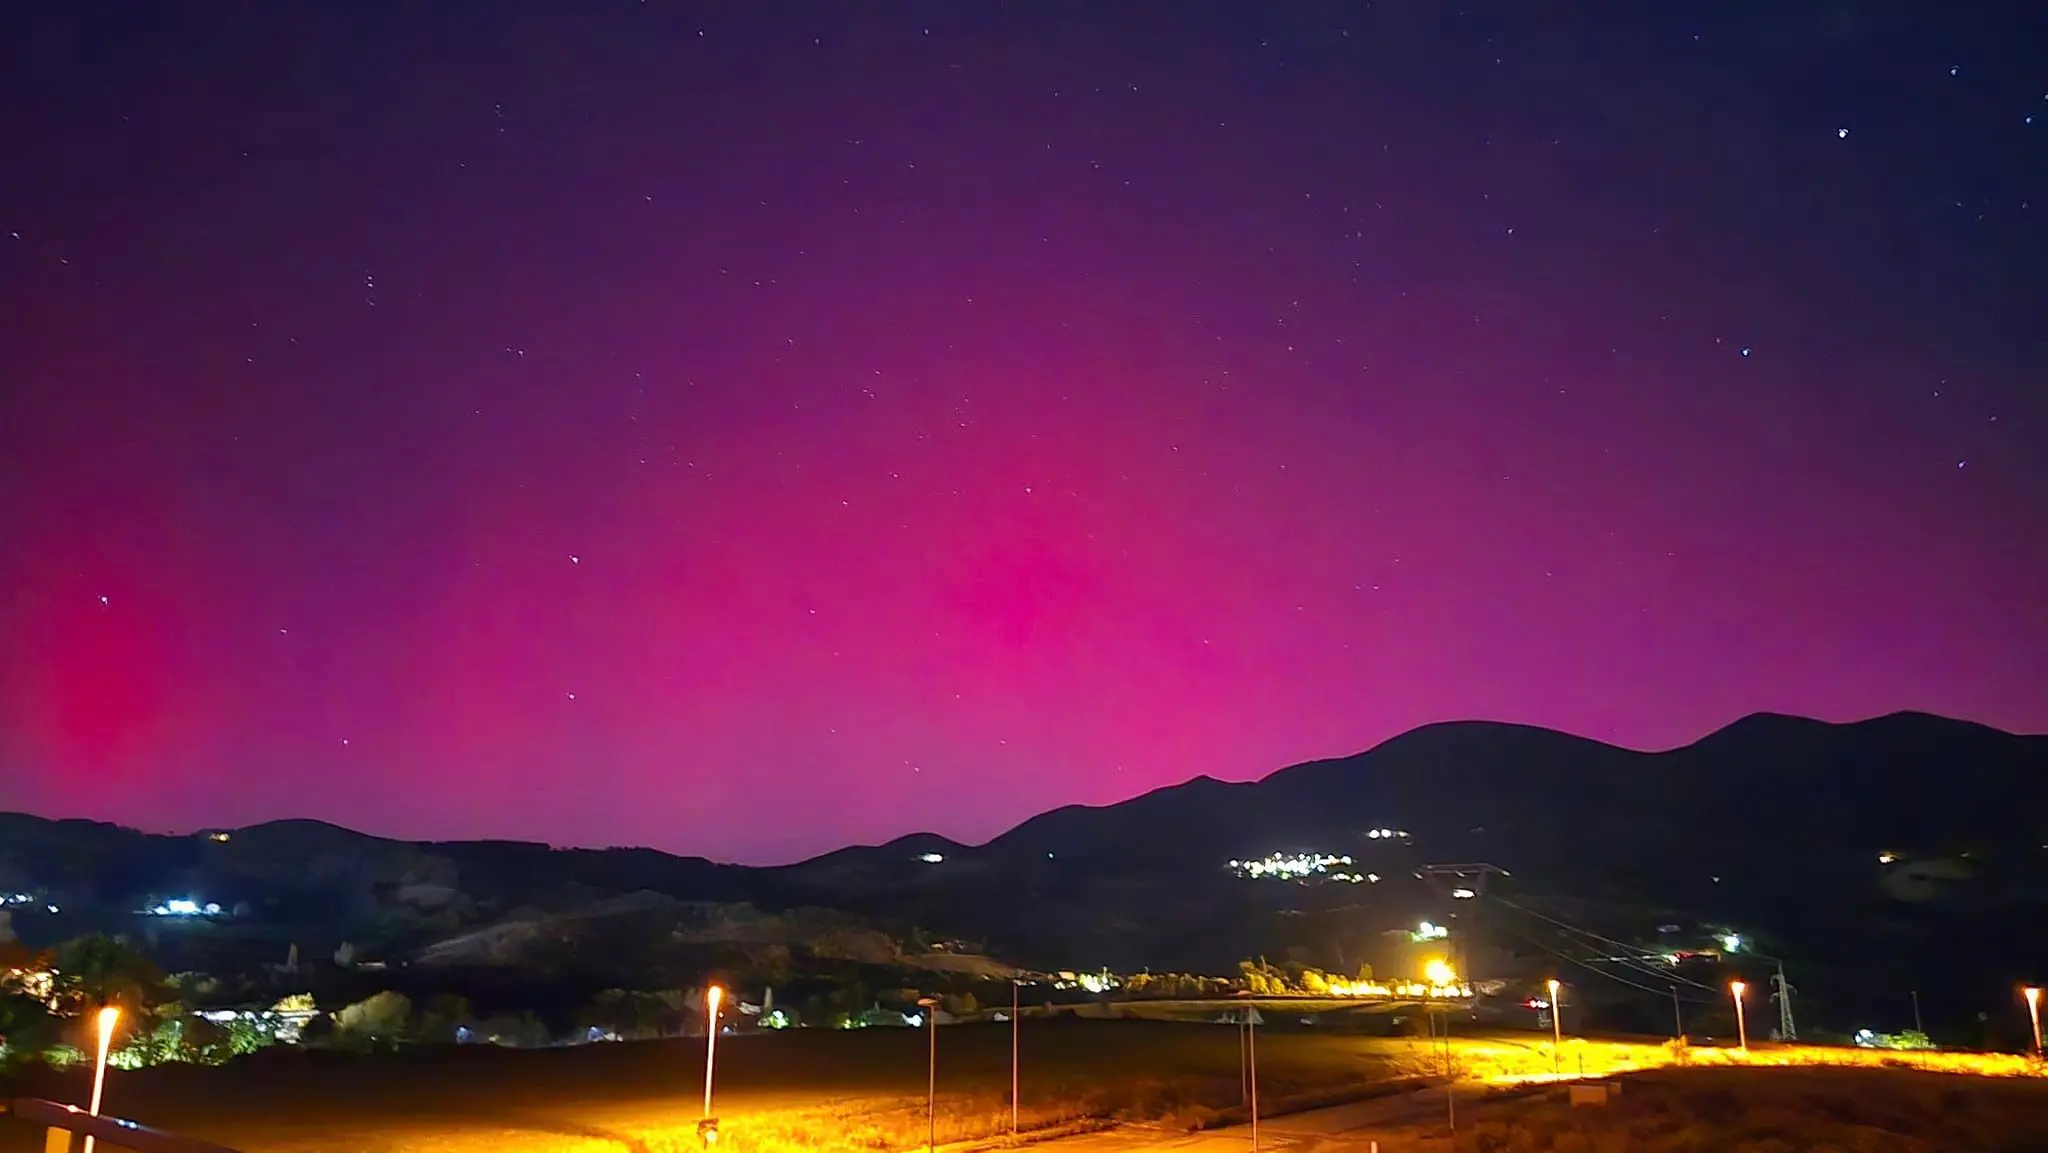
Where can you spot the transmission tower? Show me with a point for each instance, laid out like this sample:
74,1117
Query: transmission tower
1465,881
1787,1031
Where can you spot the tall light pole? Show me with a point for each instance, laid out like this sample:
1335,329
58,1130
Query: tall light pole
1251,1053
930,1005
707,1126
105,1021
1677,1016
1016,1098
1556,1029
1450,1077
1244,1081
1735,990
1917,1026
2033,995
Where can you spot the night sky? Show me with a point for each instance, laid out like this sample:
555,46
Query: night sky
749,428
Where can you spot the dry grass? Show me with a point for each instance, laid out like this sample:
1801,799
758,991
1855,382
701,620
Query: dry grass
844,1092
863,1091
1803,1110
1495,1060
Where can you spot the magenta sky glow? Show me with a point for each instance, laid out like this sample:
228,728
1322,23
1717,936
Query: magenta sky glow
746,438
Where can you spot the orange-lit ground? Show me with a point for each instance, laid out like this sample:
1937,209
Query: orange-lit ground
861,1092
1520,1059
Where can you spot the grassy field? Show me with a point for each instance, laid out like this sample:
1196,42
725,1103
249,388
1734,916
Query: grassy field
1777,1110
819,1091
861,1091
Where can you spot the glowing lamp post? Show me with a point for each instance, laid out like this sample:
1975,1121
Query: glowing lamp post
107,1019
1735,990
707,1127
1556,1029
2033,995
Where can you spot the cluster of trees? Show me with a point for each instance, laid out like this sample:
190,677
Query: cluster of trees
1257,976
389,1019
1178,986
1266,979
49,997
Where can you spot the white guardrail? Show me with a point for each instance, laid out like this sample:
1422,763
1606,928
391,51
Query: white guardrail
67,1123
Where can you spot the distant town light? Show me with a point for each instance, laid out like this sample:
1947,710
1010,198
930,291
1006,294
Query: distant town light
1296,867
931,858
1886,859
183,907
1463,894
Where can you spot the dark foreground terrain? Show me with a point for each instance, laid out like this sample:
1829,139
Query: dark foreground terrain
1778,1110
863,1092
818,1089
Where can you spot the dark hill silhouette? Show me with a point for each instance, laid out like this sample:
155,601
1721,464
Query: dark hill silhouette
1550,802
1772,822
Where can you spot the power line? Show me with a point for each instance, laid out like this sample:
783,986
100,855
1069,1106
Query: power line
1599,972
1590,935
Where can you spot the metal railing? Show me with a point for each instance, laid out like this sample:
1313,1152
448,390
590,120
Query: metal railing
65,1123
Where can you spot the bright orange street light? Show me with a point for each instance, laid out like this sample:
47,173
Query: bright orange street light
107,1019
1735,990
707,1128
2033,995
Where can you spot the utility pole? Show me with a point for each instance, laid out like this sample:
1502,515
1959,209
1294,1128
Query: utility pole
1016,1099
930,1005
1251,1035
1677,1015
1451,1074
1244,1077
1917,1026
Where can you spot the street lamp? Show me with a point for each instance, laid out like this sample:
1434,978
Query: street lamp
1735,990
707,1127
2033,995
107,1019
930,1005
1556,1029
